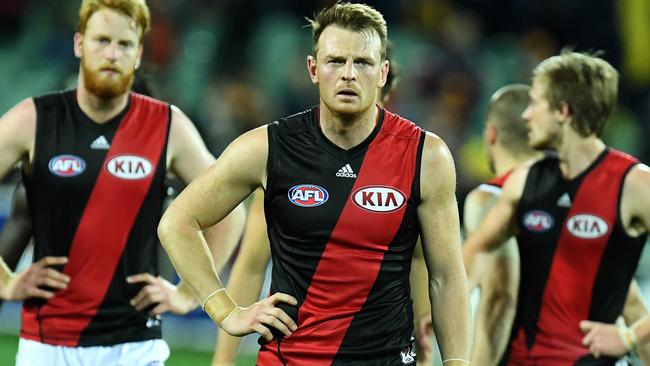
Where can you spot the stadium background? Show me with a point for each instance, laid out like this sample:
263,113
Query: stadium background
233,65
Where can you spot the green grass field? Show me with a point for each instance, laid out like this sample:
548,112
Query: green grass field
179,357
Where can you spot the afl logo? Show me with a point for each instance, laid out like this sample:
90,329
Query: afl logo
67,165
308,195
538,221
378,198
129,167
587,226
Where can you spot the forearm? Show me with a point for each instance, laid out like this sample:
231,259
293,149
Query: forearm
14,238
635,307
245,287
223,237
419,285
186,292
641,330
497,307
451,314
5,275
493,325
189,253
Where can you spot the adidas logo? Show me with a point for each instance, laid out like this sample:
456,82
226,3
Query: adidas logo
100,143
564,201
346,172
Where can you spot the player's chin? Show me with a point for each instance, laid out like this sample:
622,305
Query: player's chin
349,108
538,143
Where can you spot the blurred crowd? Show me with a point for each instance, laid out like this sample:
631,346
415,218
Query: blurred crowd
234,65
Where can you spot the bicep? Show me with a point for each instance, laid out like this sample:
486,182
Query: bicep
17,131
635,206
438,209
187,154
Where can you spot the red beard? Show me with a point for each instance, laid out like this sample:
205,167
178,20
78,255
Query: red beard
105,87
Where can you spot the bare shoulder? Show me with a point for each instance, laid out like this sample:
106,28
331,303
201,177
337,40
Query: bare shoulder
635,200
181,127
638,178
18,130
21,119
436,152
248,154
480,196
636,188
477,203
437,171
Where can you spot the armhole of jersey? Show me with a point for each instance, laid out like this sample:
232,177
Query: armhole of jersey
37,142
416,190
270,158
163,158
619,217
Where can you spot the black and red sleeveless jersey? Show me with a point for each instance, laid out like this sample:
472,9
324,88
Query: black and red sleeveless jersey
95,192
577,261
342,226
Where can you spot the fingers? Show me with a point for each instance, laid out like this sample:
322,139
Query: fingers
141,278
589,338
148,296
595,351
279,297
52,261
275,323
159,309
39,293
587,325
284,318
263,331
53,278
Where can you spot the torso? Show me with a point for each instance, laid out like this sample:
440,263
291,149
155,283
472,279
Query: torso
577,260
342,226
95,194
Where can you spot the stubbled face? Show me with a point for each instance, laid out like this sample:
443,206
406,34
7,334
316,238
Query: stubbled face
348,69
544,127
109,50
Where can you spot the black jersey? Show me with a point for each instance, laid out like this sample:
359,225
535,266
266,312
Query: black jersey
342,226
577,261
95,193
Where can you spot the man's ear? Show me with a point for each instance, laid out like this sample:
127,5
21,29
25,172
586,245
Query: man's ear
78,42
563,113
385,69
490,133
312,69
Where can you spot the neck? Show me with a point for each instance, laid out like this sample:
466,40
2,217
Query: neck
99,110
347,132
576,153
505,161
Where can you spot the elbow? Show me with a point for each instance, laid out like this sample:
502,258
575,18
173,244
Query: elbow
165,230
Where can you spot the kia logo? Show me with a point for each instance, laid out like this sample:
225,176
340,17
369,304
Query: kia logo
378,198
586,226
129,167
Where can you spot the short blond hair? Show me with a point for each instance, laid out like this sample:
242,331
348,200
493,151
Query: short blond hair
586,83
355,17
134,9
